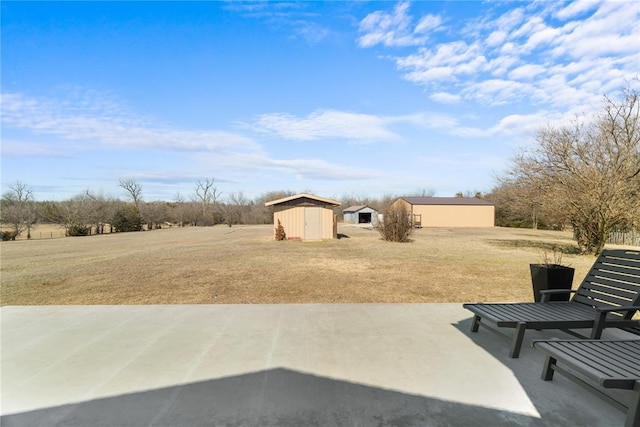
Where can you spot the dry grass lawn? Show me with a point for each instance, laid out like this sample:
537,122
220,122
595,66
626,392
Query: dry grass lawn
245,265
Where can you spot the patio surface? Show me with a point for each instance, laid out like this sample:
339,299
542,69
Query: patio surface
277,365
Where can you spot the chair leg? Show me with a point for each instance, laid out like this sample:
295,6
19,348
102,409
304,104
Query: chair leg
518,337
475,324
598,326
547,369
633,414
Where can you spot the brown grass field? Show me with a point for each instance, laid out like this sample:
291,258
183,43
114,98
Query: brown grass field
243,264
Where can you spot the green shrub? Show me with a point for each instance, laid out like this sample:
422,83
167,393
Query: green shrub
9,235
127,219
78,230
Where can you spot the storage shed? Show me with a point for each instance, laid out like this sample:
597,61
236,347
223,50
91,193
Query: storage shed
362,214
449,211
306,217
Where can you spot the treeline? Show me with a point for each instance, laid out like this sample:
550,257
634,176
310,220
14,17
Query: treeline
90,213
93,213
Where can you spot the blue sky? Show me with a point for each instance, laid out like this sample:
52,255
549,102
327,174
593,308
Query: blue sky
336,98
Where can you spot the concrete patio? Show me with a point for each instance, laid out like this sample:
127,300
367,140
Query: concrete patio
277,365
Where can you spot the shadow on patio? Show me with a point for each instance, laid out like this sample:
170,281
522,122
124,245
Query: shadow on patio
275,397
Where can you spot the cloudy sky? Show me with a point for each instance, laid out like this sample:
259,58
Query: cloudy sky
335,98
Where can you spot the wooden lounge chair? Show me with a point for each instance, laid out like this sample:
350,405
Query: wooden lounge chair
608,297
595,364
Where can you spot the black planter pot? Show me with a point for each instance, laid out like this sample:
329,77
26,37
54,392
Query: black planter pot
545,276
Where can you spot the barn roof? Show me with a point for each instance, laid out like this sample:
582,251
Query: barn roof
450,201
358,208
303,196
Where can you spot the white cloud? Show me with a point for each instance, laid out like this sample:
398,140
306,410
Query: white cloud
576,8
447,62
496,38
106,125
428,23
527,72
396,29
326,124
301,168
320,169
497,91
520,124
14,147
444,123
445,98
88,124
542,52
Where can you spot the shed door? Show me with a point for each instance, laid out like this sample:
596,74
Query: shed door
312,223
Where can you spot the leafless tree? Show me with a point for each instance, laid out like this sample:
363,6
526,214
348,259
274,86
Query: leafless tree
154,214
73,214
477,194
591,169
423,192
18,209
236,205
134,189
99,210
207,195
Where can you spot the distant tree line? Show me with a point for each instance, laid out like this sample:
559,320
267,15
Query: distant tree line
90,213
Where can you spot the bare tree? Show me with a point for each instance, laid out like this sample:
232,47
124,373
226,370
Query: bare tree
477,194
236,204
18,209
591,169
154,214
258,213
73,214
207,195
99,210
423,192
133,188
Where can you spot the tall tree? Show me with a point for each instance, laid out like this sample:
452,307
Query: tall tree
18,209
207,195
99,210
74,214
236,205
592,169
134,189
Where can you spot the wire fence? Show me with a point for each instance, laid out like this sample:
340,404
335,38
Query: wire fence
40,235
631,238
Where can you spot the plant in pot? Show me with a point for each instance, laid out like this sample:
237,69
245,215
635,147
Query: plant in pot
551,274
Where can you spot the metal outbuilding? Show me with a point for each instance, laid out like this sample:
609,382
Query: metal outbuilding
306,217
449,211
362,214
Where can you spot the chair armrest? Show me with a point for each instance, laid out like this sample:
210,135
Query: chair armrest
602,321
621,308
544,293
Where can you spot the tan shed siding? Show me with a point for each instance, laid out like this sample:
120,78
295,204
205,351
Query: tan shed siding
402,202
292,219
327,223
294,210
456,216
